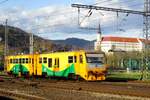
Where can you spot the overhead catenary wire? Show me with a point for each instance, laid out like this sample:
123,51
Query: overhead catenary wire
118,2
122,2
100,2
47,26
105,1
128,6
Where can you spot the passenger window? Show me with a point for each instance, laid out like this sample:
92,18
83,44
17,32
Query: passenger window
40,60
44,60
16,60
70,59
27,60
23,60
11,61
19,60
57,62
81,59
75,59
49,62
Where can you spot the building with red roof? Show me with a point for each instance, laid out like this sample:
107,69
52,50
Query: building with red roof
110,43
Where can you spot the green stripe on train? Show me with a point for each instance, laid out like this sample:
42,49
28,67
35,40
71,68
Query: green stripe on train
63,73
19,68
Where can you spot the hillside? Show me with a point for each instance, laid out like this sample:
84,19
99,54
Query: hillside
18,42
76,42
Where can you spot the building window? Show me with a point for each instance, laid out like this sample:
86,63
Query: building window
113,47
44,60
70,59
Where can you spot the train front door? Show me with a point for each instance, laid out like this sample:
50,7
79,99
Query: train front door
56,67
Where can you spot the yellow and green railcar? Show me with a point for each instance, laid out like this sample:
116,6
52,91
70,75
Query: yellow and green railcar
76,64
20,64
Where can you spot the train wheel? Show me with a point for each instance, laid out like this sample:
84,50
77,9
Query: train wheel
44,75
27,75
72,76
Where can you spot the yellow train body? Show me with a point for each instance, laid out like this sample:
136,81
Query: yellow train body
76,64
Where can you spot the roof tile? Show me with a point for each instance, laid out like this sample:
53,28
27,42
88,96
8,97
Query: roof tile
120,39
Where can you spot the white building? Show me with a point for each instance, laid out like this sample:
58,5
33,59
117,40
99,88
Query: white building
110,43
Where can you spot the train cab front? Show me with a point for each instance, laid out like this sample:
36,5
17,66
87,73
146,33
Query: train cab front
96,69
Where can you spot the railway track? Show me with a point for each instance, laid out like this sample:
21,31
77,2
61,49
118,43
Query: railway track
43,86
18,96
102,87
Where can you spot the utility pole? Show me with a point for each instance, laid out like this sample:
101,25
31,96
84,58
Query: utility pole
146,33
6,45
31,43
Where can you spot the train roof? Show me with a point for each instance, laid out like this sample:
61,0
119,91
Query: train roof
59,52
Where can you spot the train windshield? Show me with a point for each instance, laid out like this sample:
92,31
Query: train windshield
95,60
